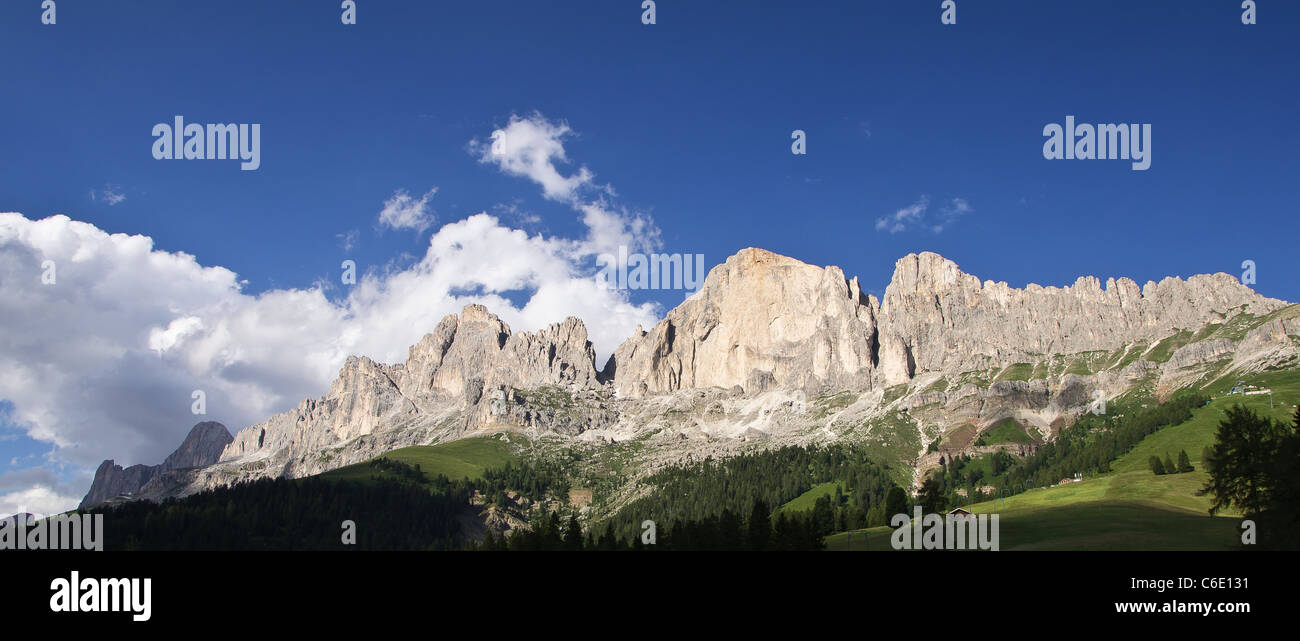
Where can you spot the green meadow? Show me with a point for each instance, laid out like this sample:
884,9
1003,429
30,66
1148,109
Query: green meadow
466,458
1129,508
806,501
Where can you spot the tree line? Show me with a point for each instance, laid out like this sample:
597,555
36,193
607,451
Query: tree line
400,510
727,531
695,493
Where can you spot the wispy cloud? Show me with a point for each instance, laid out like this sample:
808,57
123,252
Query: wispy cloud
902,218
110,195
949,213
919,215
348,239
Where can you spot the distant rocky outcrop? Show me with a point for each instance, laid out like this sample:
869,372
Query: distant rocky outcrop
202,447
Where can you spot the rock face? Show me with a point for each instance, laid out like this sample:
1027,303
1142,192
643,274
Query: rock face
112,481
934,317
766,338
456,378
202,447
761,320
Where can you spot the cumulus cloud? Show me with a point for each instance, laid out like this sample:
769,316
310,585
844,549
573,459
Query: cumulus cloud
101,363
107,337
918,215
403,211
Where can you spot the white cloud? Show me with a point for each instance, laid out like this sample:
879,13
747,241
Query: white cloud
918,216
40,500
533,147
903,217
38,491
102,363
607,230
403,211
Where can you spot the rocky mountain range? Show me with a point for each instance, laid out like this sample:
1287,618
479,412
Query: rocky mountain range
770,350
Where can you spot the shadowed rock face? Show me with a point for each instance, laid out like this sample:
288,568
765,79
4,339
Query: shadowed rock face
112,480
202,447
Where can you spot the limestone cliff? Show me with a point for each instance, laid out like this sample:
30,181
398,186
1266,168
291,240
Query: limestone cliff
455,379
761,320
773,348
934,317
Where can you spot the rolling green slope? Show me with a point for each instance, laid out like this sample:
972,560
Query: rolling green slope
1198,433
806,501
1119,511
1095,525
1129,508
466,458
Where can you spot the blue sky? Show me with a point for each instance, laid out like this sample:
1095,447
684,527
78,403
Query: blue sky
686,122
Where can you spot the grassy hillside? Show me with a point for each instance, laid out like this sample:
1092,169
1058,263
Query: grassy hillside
1096,525
466,458
1007,430
1198,433
1129,508
806,501
1118,511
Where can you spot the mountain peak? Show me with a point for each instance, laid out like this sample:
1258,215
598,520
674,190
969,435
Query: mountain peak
202,446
